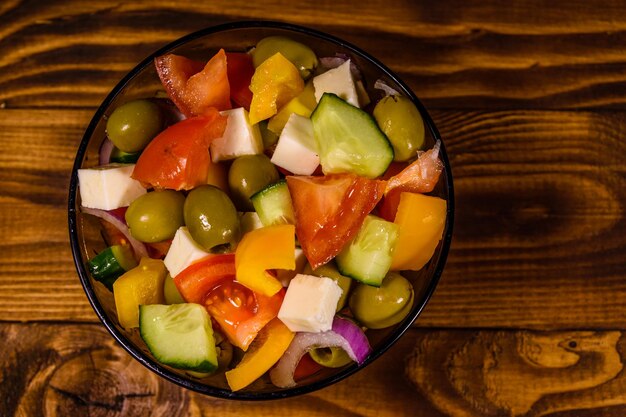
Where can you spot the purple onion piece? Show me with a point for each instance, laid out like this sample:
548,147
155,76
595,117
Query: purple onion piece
381,85
344,334
104,154
139,248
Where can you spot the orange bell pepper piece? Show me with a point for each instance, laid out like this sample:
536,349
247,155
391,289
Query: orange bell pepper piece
274,83
271,247
421,220
264,352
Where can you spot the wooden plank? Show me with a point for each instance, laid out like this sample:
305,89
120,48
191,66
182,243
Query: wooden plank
61,370
454,54
539,240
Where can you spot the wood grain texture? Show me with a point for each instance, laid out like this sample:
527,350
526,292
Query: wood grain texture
521,373
61,370
454,54
540,230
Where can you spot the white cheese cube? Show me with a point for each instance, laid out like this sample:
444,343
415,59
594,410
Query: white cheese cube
183,252
285,275
296,151
310,304
108,187
240,137
338,81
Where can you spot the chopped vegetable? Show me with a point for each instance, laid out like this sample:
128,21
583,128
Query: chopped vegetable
197,280
138,247
344,334
254,257
273,342
112,262
330,210
421,176
274,83
240,70
141,285
178,158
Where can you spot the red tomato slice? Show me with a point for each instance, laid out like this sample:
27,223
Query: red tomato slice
199,278
240,70
193,86
240,312
306,367
178,158
389,205
329,211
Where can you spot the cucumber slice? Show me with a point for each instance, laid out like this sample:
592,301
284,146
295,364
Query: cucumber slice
273,204
348,139
179,335
111,263
367,258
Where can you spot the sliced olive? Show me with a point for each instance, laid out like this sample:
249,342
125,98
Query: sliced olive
330,270
300,55
384,306
155,216
132,125
331,357
398,117
247,175
211,217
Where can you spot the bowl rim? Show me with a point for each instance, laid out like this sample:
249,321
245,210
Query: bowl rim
188,383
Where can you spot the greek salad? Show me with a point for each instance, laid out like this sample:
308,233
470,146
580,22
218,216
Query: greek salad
259,216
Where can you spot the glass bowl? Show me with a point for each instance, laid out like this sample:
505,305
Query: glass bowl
142,81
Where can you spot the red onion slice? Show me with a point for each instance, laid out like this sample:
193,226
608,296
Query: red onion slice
104,154
139,248
381,85
344,334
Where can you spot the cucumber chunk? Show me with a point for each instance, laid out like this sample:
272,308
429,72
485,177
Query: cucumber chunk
367,258
348,139
179,335
273,204
111,263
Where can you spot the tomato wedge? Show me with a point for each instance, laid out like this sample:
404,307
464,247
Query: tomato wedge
240,70
199,278
240,312
178,158
193,86
329,211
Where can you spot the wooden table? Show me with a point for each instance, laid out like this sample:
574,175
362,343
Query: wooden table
529,97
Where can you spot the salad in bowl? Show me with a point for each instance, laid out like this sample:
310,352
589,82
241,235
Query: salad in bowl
259,210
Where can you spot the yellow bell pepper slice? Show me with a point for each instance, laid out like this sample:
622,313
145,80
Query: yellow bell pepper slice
421,220
303,105
264,352
274,83
271,247
141,285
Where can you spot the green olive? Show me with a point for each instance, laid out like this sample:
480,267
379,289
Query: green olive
247,175
398,117
330,357
269,138
132,125
170,291
330,270
385,306
155,216
211,217
299,54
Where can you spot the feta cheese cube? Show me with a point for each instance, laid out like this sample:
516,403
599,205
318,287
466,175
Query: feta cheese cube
296,150
310,304
286,275
338,81
183,252
108,187
240,137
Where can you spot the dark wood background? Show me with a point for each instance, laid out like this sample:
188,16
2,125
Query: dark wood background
530,98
